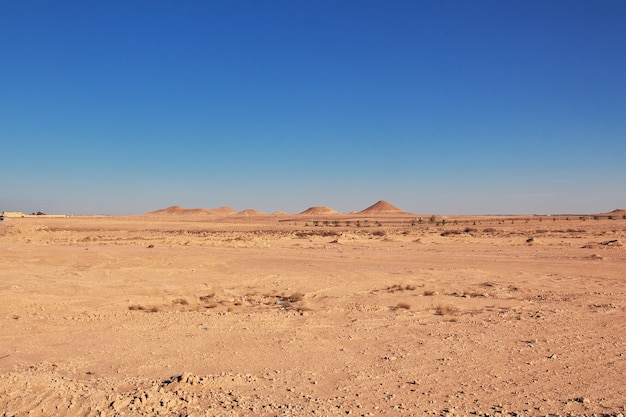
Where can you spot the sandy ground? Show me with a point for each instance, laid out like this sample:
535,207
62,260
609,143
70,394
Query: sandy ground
277,317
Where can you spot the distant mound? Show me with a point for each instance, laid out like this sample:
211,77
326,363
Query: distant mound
251,212
382,207
619,212
224,210
179,211
318,210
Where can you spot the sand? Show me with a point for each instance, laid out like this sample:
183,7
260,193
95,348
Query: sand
276,316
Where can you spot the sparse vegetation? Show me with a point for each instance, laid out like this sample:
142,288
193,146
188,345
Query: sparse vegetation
290,302
404,306
399,287
322,233
207,298
451,232
446,310
147,309
294,298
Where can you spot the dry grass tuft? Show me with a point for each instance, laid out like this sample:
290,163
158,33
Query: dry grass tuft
446,310
403,306
207,298
429,293
289,302
294,298
181,301
400,287
147,309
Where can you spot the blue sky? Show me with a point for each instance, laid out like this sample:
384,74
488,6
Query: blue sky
452,107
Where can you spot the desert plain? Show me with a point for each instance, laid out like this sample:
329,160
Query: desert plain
190,313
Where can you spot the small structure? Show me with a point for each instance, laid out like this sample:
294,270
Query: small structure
12,214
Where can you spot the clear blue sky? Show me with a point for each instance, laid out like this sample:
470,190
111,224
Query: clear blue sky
455,107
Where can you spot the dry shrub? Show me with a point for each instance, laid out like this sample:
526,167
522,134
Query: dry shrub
322,233
446,310
147,309
181,301
399,287
207,298
289,302
429,293
404,306
294,298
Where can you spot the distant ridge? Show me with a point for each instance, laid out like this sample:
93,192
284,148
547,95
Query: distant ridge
319,210
381,207
251,212
180,211
616,211
224,210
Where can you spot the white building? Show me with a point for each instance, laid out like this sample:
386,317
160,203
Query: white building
12,214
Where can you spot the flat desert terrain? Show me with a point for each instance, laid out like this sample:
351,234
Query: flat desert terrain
314,314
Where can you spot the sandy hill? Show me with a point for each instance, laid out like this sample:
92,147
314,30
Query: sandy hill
319,210
224,210
179,211
251,212
616,212
382,207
